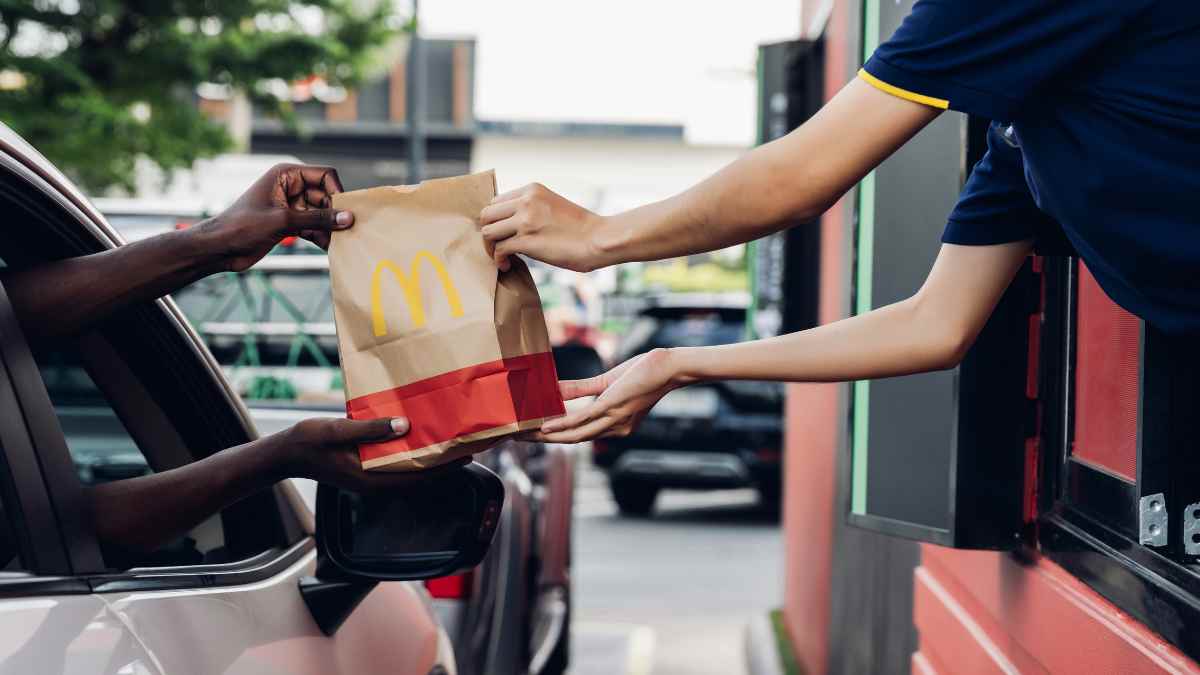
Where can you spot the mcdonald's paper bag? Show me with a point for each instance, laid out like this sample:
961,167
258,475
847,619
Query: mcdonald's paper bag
430,330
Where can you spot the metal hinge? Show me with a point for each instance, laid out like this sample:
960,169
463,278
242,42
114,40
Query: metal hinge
1152,520
1191,529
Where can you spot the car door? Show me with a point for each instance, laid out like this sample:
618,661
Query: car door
49,620
140,393
189,615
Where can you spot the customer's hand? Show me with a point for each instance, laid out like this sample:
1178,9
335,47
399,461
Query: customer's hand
541,224
623,397
289,200
326,450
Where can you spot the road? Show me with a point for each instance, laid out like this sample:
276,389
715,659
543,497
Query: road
671,594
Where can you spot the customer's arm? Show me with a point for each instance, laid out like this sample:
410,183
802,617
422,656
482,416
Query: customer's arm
796,177
931,330
61,297
322,449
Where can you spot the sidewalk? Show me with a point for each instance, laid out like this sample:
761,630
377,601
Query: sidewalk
768,650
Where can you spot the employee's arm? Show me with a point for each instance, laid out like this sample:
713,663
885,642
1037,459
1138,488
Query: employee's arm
61,297
796,177
929,331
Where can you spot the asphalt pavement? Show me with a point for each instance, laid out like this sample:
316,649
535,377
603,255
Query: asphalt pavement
671,594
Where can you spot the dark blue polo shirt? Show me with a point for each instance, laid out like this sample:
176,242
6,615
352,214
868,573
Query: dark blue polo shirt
1097,111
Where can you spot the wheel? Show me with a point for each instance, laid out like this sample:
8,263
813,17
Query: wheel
560,658
770,496
632,498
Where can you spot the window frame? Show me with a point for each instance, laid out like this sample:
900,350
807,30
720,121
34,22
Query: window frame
26,503
1088,517
65,229
1086,488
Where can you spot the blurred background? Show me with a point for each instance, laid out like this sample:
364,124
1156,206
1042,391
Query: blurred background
164,114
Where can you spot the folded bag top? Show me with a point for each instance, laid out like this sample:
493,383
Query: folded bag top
429,329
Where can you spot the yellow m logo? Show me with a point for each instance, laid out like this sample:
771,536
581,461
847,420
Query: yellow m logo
410,284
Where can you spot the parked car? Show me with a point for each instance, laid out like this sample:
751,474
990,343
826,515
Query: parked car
140,392
572,309
706,436
272,331
136,219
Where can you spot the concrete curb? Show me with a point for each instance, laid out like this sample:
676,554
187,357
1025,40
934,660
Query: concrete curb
762,651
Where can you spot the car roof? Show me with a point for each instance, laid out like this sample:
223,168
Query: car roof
19,149
111,206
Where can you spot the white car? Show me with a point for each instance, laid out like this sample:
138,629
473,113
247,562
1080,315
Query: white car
228,598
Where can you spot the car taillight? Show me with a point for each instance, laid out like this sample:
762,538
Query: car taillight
587,336
183,224
768,455
287,241
453,587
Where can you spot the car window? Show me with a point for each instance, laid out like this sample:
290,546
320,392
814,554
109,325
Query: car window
103,450
695,328
137,368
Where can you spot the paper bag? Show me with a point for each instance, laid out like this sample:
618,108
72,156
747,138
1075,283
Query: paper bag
430,330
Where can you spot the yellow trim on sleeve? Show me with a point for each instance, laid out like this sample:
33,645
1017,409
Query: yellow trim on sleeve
902,93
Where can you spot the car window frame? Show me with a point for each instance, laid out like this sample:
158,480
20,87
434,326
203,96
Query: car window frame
72,226
26,502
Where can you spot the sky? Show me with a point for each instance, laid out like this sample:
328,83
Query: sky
619,61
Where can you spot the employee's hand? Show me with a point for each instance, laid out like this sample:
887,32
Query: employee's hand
289,200
541,224
623,397
326,450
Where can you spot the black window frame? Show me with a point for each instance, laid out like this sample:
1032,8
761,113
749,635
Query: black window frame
38,542
48,225
1088,521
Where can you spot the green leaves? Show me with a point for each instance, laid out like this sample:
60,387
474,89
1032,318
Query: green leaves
92,69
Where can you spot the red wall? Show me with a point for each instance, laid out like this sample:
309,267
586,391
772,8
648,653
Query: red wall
976,612
984,612
814,413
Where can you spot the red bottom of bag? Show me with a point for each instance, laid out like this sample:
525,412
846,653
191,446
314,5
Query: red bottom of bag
463,403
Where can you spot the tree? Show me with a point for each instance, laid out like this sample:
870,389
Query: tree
94,84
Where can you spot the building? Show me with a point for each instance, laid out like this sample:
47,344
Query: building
364,133
1031,511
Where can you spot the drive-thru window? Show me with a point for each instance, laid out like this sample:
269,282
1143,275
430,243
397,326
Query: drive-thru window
1050,478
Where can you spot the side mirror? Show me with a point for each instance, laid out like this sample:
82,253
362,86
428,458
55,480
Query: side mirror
431,528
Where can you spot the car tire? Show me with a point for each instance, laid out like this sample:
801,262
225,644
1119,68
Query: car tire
560,658
770,496
634,498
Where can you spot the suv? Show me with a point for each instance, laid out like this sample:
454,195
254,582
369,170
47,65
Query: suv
705,436
140,392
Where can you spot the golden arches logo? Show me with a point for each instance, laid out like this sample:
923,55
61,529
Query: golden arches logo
410,284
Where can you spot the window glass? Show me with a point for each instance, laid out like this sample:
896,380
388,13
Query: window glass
439,83
103,450
374,100
1106,381
685,327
